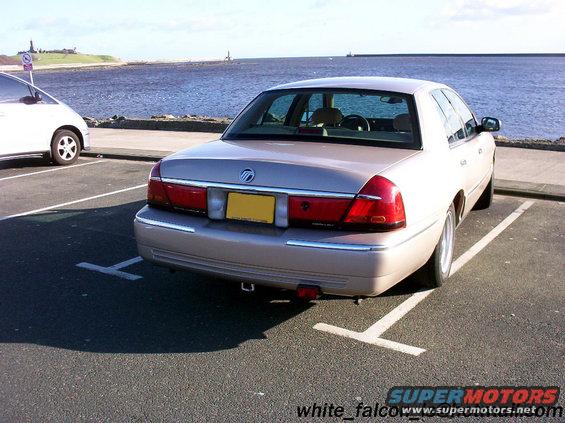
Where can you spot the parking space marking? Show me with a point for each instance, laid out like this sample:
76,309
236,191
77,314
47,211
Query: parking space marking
373,333
127,263
110,271
115,269
69,203
55,169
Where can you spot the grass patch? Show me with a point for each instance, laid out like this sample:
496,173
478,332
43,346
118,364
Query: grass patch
40,59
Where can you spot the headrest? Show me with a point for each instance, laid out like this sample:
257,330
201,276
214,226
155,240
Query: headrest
327,116
402,123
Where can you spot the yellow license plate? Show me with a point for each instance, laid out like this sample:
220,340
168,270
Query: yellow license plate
251,207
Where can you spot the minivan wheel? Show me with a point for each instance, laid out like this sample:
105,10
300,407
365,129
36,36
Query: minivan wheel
436,270
65,147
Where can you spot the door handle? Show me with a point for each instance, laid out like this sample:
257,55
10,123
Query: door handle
480,151
463,162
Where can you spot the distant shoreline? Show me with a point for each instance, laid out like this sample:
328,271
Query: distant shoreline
74,66
459,55
71,66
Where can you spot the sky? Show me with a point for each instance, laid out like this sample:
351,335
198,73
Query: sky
174,29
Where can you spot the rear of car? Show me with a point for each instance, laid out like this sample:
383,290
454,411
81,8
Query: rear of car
296,194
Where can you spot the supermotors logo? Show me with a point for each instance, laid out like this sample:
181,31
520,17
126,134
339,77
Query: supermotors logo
472,396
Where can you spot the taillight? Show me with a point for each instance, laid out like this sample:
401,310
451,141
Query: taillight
378,207
156,195
179,197
316,211
187,198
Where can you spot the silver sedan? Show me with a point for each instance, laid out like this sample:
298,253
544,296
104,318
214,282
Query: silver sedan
340,186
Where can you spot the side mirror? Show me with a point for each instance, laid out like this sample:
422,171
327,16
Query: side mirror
37,97
490,124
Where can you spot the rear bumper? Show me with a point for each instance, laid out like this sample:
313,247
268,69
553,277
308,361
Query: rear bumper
338,262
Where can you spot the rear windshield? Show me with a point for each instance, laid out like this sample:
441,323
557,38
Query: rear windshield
329,115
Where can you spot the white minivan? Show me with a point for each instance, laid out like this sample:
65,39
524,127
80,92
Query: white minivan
34,123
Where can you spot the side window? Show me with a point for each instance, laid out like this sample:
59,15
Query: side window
447,128
463,110
454,127
278,110
12,91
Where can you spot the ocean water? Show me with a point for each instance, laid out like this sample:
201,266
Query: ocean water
526,93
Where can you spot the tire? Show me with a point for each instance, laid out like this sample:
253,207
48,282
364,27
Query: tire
436,271
485,200
65,147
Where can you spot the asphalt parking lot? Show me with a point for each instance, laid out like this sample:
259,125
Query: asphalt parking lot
77,344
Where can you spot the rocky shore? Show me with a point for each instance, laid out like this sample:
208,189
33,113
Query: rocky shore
196,123
189,123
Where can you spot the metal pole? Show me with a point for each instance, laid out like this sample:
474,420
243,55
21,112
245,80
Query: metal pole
31,77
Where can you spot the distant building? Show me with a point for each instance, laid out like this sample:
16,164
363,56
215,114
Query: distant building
31,48
60,51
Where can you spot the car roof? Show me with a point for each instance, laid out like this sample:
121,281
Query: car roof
399,85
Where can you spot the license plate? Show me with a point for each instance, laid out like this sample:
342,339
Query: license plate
251,207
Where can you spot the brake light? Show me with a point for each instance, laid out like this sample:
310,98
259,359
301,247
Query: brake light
378,206
156,195
185,198
316,211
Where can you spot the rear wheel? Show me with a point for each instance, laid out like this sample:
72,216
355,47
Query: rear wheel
485,200
65,147
436,270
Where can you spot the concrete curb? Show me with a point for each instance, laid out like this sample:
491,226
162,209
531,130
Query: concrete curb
501,186
530,190
127,154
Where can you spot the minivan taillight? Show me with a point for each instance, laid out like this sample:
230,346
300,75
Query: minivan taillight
179,197
377,207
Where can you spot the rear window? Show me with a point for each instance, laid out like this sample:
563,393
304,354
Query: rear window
329,115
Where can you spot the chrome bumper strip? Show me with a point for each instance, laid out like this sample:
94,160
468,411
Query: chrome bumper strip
254,188
354,247
330,245
166,225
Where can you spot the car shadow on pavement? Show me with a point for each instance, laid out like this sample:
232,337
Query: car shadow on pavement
47,300
34,162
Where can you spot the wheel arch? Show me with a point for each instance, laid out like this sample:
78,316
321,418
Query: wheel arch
74,130
459,204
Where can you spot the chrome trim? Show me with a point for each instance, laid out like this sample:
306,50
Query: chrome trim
255,188
368,197
329,245
166,225
354,247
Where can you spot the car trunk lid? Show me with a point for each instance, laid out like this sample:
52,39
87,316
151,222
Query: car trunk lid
312,166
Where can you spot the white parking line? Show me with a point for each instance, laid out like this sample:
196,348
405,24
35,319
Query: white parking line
56,206
373,333
114,270
55,169
127,263
110,271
